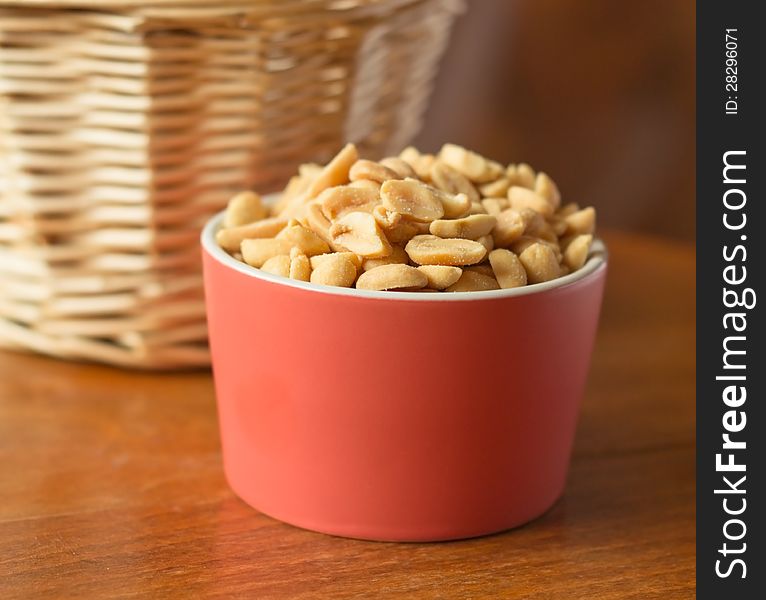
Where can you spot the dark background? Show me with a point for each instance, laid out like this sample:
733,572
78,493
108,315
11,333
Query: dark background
599,94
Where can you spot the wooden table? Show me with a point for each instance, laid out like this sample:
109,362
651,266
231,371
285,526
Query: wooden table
111,482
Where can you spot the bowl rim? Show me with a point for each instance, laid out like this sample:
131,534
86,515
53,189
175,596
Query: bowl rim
597,261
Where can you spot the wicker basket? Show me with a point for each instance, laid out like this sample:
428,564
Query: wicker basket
125,124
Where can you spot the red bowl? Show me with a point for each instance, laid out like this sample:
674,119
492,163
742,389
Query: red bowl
398,415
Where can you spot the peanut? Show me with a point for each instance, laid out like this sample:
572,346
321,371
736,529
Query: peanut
367,169
387,219
471,227
278,265
547,188
399,166
318,259
470,281
474,166
255,252
336,269
496,188
522,175
392,277
412,199
521,197
477,208
360,233
366,184
487,241
452,181
540,263
482,268
568,209
402,232
397,256
300,265
334,172
440,276
244,208
340,200
582,221
231,238
432,250
509,227
494,206
576,251
507,268
420,163
307,240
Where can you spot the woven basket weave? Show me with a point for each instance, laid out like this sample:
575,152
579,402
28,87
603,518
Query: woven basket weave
125,124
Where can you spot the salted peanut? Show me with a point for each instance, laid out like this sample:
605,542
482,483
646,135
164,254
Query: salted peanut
487,241
231,238
355,259
576,251
399,166
402,232
255,252
510,226
470,281
397,257
452,181
315,220
387,219
521,197
558,225
455,205
343,199
440,277
582,221
336,269
476,208
420,163
471,227
540,263
496,188
494,206
413,199
298,236
547,188
360,233
278,265
522,175
300,265
537,226
483,268
526,241
368,169
508,270
474,166
367,184
432,250
244,208
334,172
568,209
392,277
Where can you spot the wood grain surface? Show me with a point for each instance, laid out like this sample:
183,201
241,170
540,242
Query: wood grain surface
111,483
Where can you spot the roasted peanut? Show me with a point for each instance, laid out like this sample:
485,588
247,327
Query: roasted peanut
413,199
336,269
366,184
509,227
392,277
582,221
334,172
231,238
470,281
307,240
495,189
244,208
521,197
368,169
300,266
399,166
472,227
432,250
255,252
318,259
476,208
508,270
546,187
440,276
278,265
474,166
343,199
576,251
453,182
567,209
360,233
420,163
482,268
526,241
386,218
487,241
540,263
402,232
397,256
494,206
522,175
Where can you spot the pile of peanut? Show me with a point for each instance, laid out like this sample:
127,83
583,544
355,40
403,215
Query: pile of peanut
453,222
